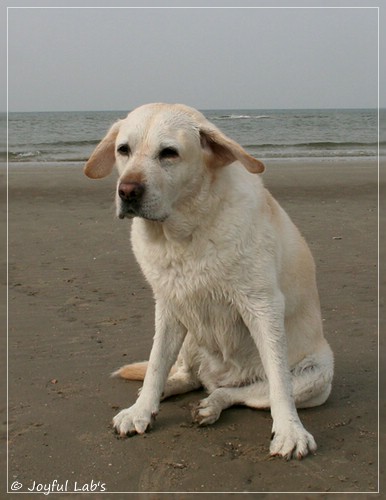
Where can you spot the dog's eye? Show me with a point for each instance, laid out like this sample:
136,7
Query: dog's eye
124,149
168,153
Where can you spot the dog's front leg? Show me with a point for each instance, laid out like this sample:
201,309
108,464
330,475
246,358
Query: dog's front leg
264,316
167,343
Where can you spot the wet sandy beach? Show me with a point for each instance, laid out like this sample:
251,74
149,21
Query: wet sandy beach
79,308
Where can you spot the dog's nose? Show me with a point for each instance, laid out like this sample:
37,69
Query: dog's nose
131,191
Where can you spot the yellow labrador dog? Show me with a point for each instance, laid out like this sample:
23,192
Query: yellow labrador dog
237,308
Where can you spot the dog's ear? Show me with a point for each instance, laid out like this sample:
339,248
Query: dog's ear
221,151
102,160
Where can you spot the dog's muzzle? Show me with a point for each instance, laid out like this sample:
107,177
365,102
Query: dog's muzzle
131,196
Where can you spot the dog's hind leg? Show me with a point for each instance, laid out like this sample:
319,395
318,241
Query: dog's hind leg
311,386
184,375
210,408
180,382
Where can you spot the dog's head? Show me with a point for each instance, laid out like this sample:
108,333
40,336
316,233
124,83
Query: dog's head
162,152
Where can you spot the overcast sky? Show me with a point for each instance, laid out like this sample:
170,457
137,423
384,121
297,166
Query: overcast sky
116,59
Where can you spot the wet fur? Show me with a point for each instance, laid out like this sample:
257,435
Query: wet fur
237,307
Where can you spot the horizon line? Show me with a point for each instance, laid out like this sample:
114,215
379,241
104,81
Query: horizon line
199,108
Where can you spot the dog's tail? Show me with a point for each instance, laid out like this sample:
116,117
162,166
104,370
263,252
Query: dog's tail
134,371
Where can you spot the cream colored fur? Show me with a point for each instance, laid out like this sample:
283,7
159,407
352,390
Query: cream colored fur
237,308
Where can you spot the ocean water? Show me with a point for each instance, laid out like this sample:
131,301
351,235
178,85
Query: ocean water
278,134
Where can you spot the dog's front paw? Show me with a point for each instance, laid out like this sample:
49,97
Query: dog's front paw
133,420
292,440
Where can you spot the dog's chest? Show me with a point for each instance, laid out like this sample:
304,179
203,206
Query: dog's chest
196,283
181,271
192,275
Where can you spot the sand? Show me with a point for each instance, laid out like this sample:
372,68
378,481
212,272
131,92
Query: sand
79,308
